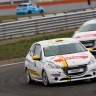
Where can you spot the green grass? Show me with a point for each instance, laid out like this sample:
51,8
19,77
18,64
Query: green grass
15,17
20,49
9,17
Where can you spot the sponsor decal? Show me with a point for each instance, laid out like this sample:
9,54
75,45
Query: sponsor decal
63,61
75,57
68,78
69,58
33,72
88,35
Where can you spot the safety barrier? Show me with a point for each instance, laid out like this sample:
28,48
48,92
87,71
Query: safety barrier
48,23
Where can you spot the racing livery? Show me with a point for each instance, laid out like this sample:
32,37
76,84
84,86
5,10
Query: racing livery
29,8
87,34
59,60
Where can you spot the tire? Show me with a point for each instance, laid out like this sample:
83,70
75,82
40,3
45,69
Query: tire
41,11
93,80
29,12
45,79
29,80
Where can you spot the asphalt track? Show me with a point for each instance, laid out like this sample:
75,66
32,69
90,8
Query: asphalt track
13,83
54,8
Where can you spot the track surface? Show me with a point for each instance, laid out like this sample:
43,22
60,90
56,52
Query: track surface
13,83
54,8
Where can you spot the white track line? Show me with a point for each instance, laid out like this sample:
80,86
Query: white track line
11,64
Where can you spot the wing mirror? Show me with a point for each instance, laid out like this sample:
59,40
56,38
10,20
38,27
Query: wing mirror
36,57
89,49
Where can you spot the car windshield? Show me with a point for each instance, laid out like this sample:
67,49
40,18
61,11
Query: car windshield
22,5
63,49
89,27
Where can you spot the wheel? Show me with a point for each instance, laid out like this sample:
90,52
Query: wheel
29,80
29,12
41,11
93,79
45,79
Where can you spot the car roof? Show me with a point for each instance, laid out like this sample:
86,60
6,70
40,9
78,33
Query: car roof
90,22
57,41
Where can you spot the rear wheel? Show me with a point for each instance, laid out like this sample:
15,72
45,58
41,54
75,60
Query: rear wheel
28,77
29,12
45,79
41,11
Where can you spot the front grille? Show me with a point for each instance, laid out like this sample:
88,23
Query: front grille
89,43
82,77
83,67
75,77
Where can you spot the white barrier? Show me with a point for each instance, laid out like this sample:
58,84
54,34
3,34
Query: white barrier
49,23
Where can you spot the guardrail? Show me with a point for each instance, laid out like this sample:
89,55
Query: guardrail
40,24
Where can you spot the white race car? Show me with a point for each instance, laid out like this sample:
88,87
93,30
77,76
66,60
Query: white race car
87,34
59,60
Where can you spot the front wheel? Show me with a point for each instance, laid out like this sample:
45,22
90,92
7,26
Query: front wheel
45,79
41,11
29,80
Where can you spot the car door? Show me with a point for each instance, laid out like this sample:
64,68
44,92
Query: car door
38,63
31,62
33,8
35,66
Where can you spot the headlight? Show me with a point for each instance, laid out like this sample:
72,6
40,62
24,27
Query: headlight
92,60
51,65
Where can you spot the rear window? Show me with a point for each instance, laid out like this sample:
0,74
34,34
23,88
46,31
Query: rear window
23,5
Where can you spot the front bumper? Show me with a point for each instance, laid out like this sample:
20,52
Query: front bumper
58,75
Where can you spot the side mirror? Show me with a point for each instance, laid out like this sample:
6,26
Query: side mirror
89,49
36,57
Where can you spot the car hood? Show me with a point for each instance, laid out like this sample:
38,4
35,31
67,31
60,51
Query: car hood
70,60
84,36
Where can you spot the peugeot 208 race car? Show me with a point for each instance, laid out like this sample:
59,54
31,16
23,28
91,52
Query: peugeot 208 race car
87,34
59,60
29,8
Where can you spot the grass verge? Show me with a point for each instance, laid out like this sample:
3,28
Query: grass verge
19,49
15,17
